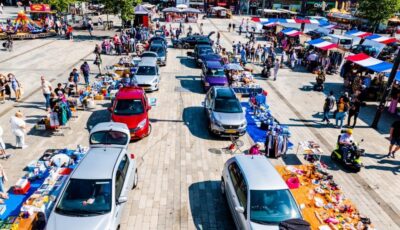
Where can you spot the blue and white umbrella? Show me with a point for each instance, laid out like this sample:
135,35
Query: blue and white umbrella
233,66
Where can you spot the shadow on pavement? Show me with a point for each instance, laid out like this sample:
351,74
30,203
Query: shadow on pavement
194,86
97,117
209,207
188,62
195,119
291,159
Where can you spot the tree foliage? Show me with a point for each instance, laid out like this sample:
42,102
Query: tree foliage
377,11
123,7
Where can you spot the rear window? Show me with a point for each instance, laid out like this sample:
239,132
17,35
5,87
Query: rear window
129,107
108,138
146,70
216,72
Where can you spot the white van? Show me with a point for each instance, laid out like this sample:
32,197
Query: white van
97,190
342,41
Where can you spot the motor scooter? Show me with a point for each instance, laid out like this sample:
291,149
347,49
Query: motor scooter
353,162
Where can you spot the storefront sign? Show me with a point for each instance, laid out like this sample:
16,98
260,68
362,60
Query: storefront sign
40,8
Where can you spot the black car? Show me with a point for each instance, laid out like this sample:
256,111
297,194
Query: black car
192,40
158,41
314,34
201,50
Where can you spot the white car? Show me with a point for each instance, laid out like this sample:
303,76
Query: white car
256,194
147,74
97,190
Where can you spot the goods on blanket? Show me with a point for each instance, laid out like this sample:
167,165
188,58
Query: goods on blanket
22,186
323,204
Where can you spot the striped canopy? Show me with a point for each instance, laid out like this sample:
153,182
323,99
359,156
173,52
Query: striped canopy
322,44
328,26
357,33
371,63
381,39
285,20
291,32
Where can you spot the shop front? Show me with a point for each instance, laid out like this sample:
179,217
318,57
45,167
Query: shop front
318,7
233,5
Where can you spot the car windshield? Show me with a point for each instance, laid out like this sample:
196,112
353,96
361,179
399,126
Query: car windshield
345,41
84,197
272,206
205,50
129,107
223,105
146,70
109,138
216,72
159,50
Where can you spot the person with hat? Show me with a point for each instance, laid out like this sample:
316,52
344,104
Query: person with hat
345,141
255,149
18,127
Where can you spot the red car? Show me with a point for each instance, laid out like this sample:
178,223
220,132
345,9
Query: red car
131,107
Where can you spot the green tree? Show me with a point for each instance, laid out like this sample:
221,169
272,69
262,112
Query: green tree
123,7
377,11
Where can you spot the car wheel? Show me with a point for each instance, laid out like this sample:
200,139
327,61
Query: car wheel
180,46
148,133
222,186
186,46
135,179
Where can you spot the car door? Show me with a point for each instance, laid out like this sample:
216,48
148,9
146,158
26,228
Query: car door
123,183
236,192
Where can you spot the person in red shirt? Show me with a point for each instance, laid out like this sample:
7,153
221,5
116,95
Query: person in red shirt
70,32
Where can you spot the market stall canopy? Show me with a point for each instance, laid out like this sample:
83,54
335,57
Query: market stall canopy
141,10
233,66
171,10
371,63
381,39
181,6
217,8
191,10
285,20
322,44
291,32
329,26
343,16
40,8
357,33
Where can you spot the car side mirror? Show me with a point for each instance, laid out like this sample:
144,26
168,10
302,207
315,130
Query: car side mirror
109,109
239,209
148,107
122,199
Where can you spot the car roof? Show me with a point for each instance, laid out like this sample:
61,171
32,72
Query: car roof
224,92
130,93
99,163
214,64
148,61
107,126
259,173
204,45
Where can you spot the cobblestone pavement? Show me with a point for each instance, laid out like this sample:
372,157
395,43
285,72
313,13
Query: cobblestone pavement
179,163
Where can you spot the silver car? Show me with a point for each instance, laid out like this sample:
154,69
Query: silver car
224,111
97,190
147,74
256,194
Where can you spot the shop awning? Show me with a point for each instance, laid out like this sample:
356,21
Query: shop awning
357,33
329,26
140,9
381,39
371,63
171,10
291,32
285,20
322,44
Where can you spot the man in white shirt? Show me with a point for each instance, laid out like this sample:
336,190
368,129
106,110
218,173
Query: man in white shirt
345,141
46,89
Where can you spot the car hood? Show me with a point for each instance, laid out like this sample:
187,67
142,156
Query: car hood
145,79
216,80
61,222
230,118
131,121
256,226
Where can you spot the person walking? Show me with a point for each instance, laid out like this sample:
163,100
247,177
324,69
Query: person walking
85,69
277,65
354,110
3,84
18,127
76,78
229,27
15,86
394,138
233,27
90,27
3,154
342,108
46,89
3,180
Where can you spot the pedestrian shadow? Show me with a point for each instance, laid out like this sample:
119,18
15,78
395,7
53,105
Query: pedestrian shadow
188,62
395,170
82,37
209,207
375,156
291,159
96,117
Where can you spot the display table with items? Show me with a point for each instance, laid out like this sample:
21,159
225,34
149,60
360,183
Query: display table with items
311,150
322,202
32,198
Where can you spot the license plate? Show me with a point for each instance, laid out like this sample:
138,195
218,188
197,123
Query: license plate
146,88
230,131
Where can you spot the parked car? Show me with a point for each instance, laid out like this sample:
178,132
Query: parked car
161,53
147,74
150,54
158,40
199,51
96,191
224,112
256,194
210,57
192,40
131,107
213,74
